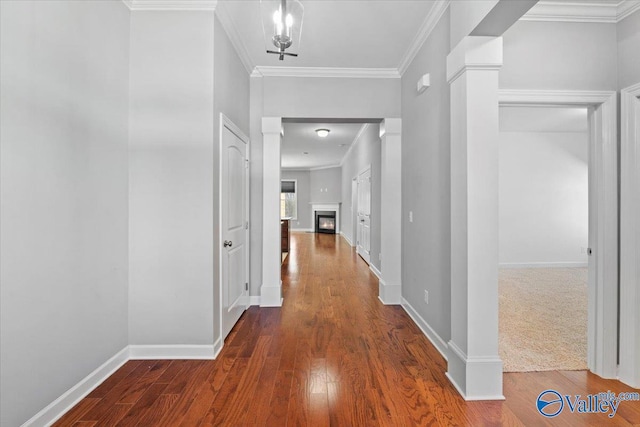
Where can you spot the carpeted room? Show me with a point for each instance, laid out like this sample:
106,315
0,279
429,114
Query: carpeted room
544,235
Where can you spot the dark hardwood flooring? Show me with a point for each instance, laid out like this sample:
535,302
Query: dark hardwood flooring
333,355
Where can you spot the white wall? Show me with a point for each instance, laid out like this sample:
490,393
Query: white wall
543,198
628,32
366,152
326,185
171,178
304,198
64,113
426,242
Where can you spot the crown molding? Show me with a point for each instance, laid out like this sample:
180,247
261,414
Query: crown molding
319,168
355,142
234,37
149,5
594,12
430,22
358,73
626,8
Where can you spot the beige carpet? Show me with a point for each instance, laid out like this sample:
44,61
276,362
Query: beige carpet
543,319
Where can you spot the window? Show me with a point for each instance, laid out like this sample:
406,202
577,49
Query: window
288,199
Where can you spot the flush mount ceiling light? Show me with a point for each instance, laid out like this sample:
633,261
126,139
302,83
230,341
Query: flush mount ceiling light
322,133
282,26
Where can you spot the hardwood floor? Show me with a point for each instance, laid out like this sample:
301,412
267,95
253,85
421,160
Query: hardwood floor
332,355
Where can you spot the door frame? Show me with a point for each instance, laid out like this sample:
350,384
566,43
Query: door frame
629,369
225,122
361,172
602,336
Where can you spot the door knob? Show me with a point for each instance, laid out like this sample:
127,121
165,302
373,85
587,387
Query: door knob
228,243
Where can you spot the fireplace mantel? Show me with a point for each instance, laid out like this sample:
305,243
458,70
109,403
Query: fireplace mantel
324,206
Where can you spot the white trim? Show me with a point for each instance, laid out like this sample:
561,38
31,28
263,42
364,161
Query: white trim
558,11
389,294
427,330
355,142
552,98
375,271
75,394
344,236
543,265
319,168
324,72
177,5
603,290
433,17
482,370
232,32
271,296
217,347
626,8
254,300
629,368
173,351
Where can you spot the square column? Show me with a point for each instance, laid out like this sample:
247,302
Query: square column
389,287
474,366
271,289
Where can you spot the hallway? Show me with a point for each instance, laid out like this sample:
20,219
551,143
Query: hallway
332,355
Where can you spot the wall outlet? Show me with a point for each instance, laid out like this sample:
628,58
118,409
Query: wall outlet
426,297
410,216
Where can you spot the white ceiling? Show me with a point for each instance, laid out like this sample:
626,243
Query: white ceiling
341,34
301,137
543,119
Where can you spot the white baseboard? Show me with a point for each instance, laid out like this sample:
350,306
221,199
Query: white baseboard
271,296
389,294
375,271
475,378
217,347
154,352
427,330
254,300
75,394
543,265
344,236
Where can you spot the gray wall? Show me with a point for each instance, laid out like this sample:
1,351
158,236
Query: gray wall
171,178
426,242
628,48
304,193
326,186
231,97
309,97
366,152
560,55
63,150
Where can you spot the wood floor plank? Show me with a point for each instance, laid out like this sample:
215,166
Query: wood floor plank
332,355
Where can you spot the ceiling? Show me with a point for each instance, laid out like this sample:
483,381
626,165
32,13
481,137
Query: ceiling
543,119
301,137
340,34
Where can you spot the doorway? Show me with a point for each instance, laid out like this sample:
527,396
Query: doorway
602,310
544,235
363,212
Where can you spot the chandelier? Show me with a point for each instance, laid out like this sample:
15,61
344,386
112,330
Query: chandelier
282,25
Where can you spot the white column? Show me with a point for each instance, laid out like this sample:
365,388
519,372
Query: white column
389,288
474,367
271,289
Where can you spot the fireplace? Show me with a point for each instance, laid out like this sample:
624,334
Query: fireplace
325,222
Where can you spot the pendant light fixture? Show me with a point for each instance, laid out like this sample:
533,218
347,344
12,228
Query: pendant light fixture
282,25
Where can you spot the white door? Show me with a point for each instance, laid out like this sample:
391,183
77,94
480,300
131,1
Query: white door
234,171
364,215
